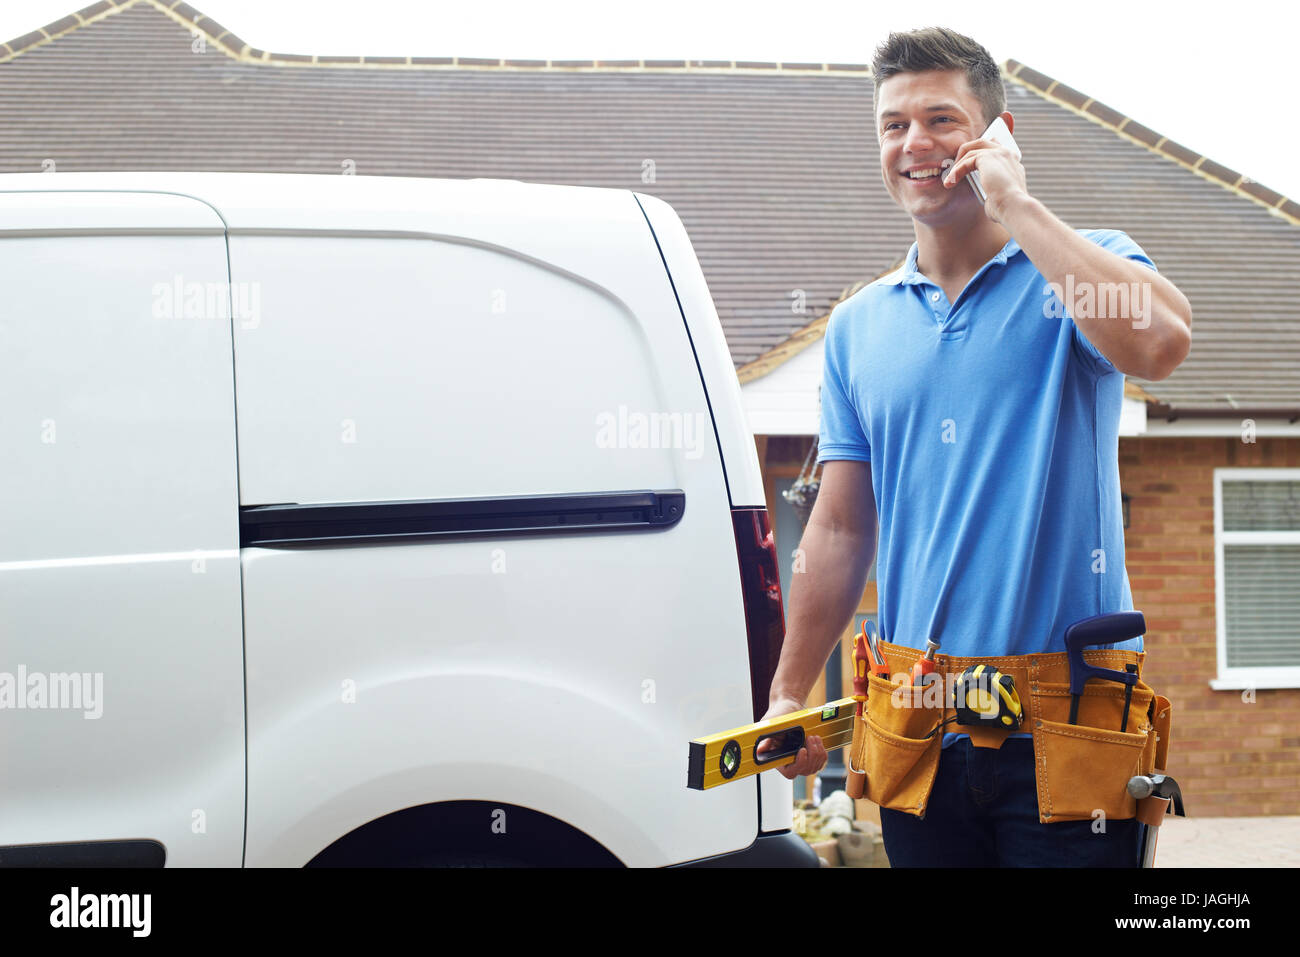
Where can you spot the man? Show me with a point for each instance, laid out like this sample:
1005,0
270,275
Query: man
982,418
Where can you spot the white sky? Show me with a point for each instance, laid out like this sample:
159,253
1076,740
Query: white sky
1223,86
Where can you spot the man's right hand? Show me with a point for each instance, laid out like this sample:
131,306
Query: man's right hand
811,757
838,544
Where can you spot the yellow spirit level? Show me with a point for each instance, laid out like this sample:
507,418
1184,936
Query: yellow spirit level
733,754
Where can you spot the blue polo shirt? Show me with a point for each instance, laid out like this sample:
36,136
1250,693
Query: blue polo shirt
992,429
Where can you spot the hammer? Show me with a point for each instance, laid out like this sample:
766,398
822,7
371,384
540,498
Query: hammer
1153,796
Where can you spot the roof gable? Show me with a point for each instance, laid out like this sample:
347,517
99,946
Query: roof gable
771,167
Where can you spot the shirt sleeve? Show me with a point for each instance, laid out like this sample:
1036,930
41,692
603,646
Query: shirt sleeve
842,436
1115,241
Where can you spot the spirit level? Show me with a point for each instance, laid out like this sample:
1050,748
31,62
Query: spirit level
733,754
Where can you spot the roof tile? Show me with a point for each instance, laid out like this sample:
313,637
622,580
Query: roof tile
94,10
62,26
1139,132
1032,77
186,11
1219,172
1069,95
1180,152
1105,113
27,40
213,29
1265,195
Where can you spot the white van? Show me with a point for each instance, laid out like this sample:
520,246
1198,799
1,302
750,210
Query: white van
355,520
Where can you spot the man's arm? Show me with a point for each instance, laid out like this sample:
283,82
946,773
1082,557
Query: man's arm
1149,346
838,547
1148,338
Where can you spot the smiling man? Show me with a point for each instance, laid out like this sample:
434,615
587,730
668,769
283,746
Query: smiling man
973,416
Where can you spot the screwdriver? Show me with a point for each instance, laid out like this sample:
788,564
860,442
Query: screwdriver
924,666
860,669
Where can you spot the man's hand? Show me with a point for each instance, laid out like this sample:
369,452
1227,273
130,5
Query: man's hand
811,757
839,544
1002,175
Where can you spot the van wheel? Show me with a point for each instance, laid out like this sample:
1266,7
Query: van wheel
460,834
468,859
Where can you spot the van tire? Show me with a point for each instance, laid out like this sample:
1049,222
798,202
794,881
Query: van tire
458,834
469,859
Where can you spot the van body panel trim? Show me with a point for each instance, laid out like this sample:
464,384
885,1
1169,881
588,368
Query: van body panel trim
261,525
64,232
134,853
741,470
695,353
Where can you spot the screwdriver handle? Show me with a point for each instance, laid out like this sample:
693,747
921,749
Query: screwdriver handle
860,671
925,664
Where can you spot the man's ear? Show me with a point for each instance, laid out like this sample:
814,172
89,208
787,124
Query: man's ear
1009,119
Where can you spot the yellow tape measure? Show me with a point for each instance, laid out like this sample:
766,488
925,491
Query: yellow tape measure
731,755
986,697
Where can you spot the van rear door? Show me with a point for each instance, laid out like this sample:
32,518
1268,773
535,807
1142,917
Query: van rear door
121,680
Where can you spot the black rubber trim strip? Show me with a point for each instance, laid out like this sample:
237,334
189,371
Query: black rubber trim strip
778,849
134,853
261,525
695,354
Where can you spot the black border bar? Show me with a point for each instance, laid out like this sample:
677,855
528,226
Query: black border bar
263,525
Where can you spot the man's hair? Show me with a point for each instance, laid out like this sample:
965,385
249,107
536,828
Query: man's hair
938,48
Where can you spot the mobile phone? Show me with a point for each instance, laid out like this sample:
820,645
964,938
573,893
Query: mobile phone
998,133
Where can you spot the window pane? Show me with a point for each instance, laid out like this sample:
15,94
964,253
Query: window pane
1269,506
1261,585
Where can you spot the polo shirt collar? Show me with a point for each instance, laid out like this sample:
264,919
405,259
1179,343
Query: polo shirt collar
907,275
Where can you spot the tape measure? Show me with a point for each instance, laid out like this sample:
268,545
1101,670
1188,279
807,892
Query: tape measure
985,697
732,755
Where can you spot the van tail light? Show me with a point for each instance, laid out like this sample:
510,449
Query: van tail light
760,584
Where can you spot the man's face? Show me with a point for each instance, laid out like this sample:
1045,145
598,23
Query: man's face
921,120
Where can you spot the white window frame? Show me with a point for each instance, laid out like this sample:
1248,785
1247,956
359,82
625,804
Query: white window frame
1233,679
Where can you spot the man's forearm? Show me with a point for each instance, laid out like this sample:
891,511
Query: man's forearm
823,598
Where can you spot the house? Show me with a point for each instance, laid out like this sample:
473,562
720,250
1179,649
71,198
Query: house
774,169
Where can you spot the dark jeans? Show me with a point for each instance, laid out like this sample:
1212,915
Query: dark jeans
983,812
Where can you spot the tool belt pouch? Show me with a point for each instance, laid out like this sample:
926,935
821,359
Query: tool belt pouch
897,744
1082,769
855,784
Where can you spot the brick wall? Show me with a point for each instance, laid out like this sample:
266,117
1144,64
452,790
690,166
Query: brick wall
1232,757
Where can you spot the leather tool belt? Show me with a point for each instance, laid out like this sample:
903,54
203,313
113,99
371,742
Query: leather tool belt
1081,769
